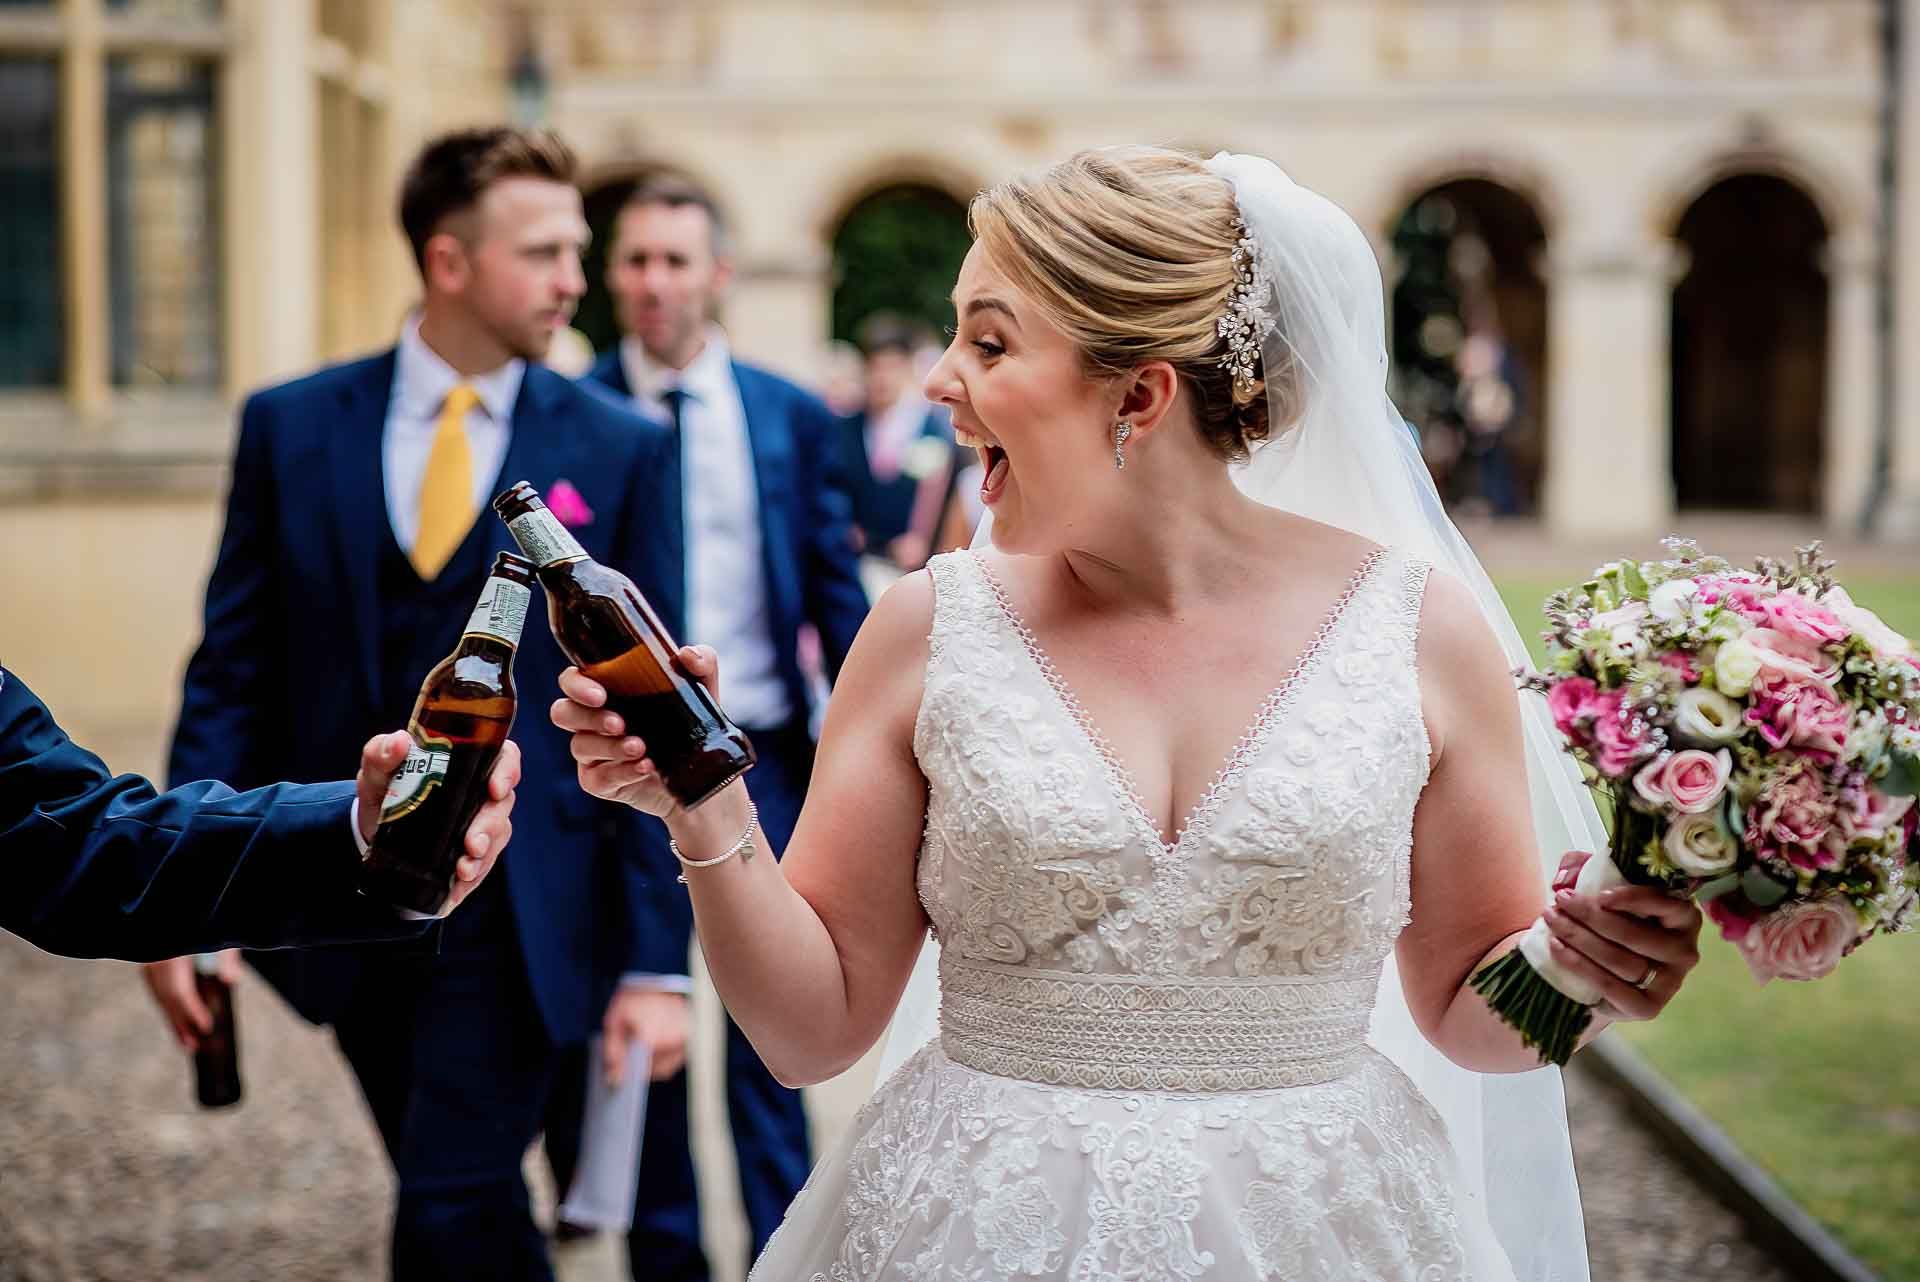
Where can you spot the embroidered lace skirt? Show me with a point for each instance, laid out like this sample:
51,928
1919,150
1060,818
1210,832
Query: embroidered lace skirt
952,1174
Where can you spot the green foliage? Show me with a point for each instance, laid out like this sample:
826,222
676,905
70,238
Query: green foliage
898,251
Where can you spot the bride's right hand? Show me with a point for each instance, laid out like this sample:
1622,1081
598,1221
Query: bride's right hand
612,764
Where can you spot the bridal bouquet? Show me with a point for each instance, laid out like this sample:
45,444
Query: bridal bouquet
1758,736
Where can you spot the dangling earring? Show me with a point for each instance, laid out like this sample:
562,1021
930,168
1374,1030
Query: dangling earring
1121,431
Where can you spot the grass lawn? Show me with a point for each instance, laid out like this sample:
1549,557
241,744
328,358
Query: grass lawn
1819,1083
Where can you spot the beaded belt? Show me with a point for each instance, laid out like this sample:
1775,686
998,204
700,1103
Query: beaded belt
1144,1033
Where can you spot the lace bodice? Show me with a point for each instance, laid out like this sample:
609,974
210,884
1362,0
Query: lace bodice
1246,953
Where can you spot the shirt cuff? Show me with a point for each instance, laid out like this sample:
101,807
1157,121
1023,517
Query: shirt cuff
360,844
647,979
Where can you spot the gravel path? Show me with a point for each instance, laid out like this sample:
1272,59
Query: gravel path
109,1172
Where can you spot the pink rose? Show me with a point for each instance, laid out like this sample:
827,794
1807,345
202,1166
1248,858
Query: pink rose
1619,735
1733,923
1794,710
1801,941
1791,655
1690,782
1804,619
1791,821
1572,702
1742,594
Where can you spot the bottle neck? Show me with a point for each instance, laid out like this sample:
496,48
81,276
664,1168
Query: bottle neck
501,611
543,540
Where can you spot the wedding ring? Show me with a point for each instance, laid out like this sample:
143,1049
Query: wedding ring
1653,973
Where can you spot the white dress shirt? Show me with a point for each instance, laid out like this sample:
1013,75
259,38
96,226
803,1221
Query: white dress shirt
726,578
421,381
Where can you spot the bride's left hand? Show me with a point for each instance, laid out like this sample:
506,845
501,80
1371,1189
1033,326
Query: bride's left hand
1635,943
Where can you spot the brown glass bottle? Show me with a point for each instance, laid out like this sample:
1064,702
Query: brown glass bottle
603,623
216,1060
459,723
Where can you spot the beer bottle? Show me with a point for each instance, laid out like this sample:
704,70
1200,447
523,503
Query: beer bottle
216,1060
458,725
610,632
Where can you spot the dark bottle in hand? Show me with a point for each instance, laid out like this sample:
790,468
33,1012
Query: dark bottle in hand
216,1060
459,725
606,627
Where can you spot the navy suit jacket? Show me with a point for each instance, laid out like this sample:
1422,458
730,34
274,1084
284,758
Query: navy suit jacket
286,681
97,865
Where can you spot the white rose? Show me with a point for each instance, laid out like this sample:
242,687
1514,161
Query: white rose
1673,600
1735,665
1629,615
1886,643
1701,845
1702,716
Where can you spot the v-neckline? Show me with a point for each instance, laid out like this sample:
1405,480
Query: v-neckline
1245,747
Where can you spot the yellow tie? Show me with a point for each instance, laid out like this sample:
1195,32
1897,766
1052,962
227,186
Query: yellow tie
446,491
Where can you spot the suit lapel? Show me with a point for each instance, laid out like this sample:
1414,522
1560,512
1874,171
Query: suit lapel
358,505
542,449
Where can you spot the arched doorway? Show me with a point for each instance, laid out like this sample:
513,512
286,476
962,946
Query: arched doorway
1469,317
1750,348
897,249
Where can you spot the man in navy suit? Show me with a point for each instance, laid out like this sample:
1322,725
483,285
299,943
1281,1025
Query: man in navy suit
97,865
757,516
357,539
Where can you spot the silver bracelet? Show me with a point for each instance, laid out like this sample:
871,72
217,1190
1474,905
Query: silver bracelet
742,847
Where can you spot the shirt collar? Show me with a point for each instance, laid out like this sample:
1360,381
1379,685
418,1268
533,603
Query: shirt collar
422,379
705,377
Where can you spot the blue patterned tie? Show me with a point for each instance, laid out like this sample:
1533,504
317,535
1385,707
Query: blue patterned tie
673,508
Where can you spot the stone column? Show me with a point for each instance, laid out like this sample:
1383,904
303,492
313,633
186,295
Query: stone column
778,313
83,209
270,112
1609,465
1852,410
1901,517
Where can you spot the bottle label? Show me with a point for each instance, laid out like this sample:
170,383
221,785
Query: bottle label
543,539
418,776
501,611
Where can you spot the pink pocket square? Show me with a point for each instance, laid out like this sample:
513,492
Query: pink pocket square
567,506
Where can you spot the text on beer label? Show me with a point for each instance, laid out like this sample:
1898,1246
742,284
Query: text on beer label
422,772
542,537
502,610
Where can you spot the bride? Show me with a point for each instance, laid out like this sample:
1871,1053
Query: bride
1175,769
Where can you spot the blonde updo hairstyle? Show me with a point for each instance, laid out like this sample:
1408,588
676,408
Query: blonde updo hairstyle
1129,252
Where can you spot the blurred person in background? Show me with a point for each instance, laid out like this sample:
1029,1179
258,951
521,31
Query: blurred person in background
898,453
756,520
355,545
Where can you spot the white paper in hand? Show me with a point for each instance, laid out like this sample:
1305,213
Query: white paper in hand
601,1195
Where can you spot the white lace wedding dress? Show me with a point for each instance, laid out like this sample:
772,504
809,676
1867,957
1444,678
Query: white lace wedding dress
1152,1060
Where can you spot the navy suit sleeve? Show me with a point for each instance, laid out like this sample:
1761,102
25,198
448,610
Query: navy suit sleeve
100,866
834,600
222,732
659,914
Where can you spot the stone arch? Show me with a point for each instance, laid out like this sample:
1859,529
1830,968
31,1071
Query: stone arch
1751,345
1678,186
873,270
1527,176
1469,307
952,177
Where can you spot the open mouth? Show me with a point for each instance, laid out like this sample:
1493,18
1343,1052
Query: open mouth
992,458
